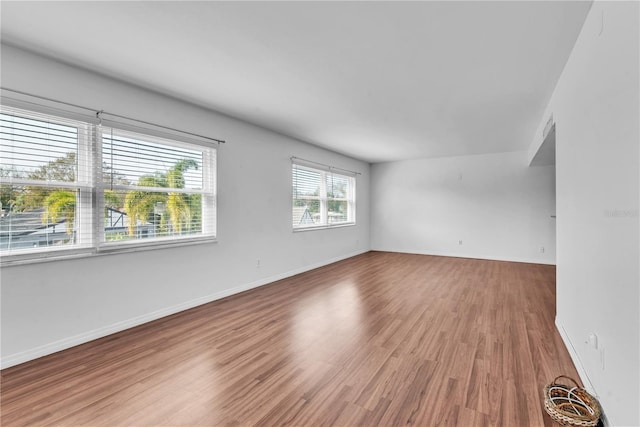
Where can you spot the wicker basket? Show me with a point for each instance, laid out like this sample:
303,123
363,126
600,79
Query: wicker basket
571,405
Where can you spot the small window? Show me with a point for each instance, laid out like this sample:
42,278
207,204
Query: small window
322,198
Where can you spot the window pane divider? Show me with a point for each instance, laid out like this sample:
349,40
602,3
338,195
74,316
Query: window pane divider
139,244
41,183
324,226
154,189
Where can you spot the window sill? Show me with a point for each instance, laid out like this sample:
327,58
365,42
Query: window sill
324,227
110,249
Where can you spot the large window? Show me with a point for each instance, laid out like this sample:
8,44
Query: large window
322,197
155,188
71,185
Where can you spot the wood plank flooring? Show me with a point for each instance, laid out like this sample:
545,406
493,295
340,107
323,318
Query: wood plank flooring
381,339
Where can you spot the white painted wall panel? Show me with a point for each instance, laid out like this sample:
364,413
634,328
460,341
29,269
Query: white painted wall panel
595,107
498,206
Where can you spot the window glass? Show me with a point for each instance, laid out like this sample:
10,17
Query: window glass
72,185
321,198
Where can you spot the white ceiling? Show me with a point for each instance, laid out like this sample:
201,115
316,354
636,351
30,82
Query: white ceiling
378,81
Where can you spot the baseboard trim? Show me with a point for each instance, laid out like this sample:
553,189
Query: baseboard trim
66,343
458,255
584,377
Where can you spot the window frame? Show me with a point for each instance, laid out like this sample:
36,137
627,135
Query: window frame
208,231
323,197
90,239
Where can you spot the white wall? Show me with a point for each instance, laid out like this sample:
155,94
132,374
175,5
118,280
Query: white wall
53,305
498,206
595,107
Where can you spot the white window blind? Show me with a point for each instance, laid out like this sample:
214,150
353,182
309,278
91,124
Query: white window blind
321,197
164,187
74,185
45,182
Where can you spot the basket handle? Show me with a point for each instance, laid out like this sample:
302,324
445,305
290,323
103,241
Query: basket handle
564,376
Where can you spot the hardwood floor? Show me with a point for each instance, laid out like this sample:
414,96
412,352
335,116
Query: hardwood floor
381,339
